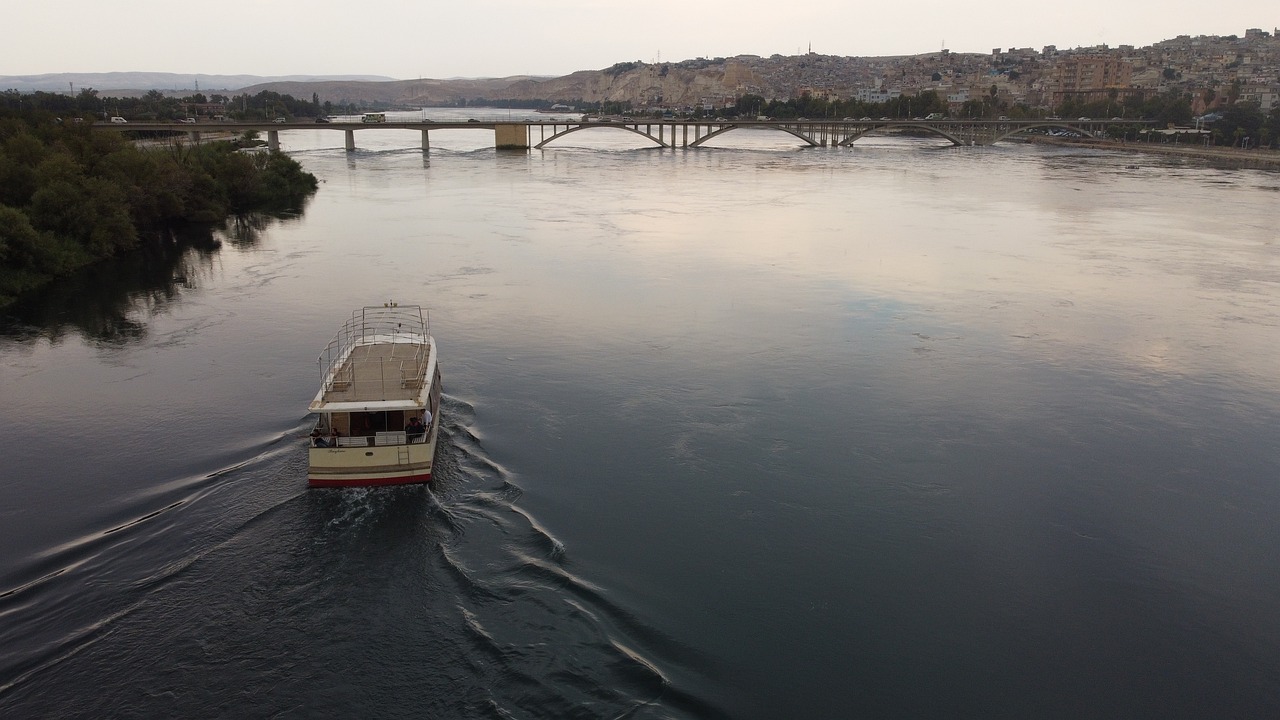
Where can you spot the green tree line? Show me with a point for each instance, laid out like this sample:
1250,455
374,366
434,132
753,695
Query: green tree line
70,196
155,105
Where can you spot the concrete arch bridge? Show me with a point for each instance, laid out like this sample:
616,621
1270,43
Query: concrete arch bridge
538,134
820,133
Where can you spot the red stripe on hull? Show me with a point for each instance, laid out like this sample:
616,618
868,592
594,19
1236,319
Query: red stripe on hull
369,482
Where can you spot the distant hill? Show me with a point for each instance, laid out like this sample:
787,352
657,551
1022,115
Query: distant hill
684,83
424,92
120,83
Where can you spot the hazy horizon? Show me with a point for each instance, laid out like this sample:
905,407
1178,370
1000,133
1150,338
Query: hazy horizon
513,39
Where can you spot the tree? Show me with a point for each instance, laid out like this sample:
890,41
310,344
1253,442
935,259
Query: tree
69,196
1239,121
87,102
88,210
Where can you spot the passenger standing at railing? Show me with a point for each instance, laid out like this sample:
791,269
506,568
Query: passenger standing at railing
415,429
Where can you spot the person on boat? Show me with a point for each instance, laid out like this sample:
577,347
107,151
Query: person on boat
426,418
415,429
317,439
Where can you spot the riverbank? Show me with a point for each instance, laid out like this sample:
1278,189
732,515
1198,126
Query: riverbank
73,200
1268,158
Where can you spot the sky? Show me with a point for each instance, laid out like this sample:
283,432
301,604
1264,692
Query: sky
404,39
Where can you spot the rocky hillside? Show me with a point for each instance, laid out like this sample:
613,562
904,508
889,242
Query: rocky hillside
639,83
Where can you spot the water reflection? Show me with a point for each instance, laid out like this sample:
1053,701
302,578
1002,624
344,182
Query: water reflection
245,231
110,302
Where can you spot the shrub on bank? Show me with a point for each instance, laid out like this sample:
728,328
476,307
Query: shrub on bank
70,196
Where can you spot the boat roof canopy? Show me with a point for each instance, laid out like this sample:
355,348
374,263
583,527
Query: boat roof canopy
366,406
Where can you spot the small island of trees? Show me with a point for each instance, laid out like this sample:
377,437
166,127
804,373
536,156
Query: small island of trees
70,197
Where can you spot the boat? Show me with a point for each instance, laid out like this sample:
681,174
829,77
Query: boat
378,406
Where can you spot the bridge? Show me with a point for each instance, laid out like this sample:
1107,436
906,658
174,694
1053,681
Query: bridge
537,134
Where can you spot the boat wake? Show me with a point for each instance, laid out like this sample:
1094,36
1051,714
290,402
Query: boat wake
243,593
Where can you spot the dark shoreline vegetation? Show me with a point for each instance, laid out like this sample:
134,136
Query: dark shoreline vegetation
71,197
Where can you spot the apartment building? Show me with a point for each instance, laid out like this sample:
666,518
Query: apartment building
1089,78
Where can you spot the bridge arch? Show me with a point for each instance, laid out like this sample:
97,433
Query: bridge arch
917,126
1055,125
727,128
593,126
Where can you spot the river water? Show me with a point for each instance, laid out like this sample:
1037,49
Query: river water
749,431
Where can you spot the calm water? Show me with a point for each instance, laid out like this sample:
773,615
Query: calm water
742,432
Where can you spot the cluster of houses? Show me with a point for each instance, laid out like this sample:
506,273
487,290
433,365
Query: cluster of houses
1213,70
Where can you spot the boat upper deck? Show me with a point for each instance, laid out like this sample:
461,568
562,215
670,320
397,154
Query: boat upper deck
382,356
392,370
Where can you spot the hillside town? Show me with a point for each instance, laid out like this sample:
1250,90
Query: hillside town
1213,70
1188,81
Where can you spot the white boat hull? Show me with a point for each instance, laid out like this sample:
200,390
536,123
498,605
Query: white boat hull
371,466
378,375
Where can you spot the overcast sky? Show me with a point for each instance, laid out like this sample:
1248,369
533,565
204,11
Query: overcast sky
497,38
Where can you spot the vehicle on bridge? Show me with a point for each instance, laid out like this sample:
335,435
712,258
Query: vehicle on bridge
374,118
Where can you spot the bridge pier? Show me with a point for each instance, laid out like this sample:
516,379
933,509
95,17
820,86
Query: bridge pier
194,137
426,141
351,139
273,140
510,136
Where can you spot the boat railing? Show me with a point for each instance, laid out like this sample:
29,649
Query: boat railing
387,375
366,325
378,439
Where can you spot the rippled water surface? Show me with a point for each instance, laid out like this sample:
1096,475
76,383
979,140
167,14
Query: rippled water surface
746,431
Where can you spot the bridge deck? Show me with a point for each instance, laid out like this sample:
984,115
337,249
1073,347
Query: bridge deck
663,132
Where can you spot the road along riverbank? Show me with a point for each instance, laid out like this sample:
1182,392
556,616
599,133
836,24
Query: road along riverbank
1269,158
